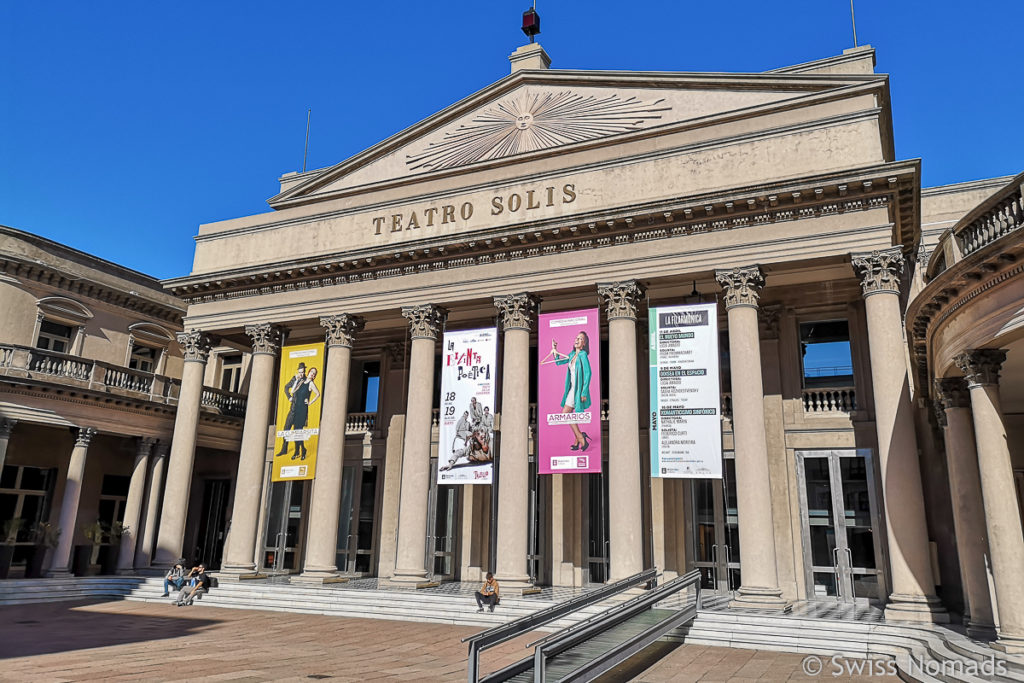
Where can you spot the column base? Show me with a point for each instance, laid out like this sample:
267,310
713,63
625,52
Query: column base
753,597
59,574
516,586
917,608
319,577
1010,644
410,581
125,572
239,573
985,632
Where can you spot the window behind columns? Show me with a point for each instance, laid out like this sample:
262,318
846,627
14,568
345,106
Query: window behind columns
825,353
231,372
368,394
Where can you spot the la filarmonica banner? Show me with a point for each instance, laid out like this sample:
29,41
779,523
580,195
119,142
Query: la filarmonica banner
466,431
686,421
298,412
569,392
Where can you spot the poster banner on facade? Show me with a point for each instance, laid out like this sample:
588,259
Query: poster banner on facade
569,392
465,449
298,412
686,421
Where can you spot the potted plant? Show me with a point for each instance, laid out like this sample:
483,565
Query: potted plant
87,555
10,536
109,552
44,537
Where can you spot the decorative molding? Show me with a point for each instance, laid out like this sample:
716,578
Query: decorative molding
940,414
6,427
342,329
742,286
83,436
769,318
527,122
516,311
621,298
196,345
879,271
145,446
266,338
425,321
981,366
952,392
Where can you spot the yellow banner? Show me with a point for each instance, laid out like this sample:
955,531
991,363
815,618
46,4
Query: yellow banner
298,412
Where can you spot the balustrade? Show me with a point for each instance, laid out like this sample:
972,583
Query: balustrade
224,402
59,365
1003,218
829,400
360,423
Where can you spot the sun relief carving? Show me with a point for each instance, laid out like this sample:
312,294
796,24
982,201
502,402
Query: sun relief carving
532,121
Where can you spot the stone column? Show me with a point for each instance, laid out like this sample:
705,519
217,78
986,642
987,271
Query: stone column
516,312
913,587
625,528
1002,518
241,551
157,468
758,568
325,502
61,563
6,427
953,412
171,537
133,506
425,323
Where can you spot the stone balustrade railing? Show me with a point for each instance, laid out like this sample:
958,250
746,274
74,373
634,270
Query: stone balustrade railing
28,362
825,400
360,423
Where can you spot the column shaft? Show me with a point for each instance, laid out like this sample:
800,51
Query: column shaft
325,503
513,460
133,507
239,557
61,563
157,469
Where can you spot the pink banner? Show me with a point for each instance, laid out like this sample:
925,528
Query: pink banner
569,392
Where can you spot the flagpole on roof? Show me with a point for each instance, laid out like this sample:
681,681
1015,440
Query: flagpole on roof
853,20
305,151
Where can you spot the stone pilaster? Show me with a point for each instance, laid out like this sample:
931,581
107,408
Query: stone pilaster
325,502
425,324
196,346
625,528
516,313
981,369
133,506
240,554
953,412
6,427
759,569
913,586
68,524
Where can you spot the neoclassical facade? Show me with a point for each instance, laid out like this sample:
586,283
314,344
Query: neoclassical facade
777,195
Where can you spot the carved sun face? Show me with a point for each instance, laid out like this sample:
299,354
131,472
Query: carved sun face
533,121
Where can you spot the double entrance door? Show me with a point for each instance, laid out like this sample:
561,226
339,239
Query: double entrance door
285,527
839,516
357,520
443,517
716,533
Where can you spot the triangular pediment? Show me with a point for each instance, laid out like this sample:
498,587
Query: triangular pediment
536,113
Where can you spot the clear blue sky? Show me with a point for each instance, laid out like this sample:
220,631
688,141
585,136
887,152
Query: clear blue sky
124,126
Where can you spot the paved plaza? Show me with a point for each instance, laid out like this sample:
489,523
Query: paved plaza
122,640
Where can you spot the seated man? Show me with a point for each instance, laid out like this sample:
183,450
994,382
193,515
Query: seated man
175,577
488,593
198,582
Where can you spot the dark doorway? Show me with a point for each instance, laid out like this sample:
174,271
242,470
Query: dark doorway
212,526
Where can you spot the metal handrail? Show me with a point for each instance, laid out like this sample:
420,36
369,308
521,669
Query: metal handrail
504,632
571,636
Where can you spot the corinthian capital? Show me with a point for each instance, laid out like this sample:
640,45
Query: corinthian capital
879,271
981,366
266,338
742,286
196,345
83,436
341,329
621,298
952,392
425,320
6,427
516,310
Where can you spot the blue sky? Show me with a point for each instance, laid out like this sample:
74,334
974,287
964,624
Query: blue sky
124,126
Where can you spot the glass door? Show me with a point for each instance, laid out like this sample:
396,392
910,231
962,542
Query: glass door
282,544
357,520
716,537
597,526
838,514
537,527
443,513
213,524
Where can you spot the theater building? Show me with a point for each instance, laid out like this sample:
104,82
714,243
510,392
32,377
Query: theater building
777,196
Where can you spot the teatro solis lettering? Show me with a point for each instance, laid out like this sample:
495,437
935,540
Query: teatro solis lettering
527,200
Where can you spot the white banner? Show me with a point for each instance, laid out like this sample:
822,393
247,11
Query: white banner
686,420
465,448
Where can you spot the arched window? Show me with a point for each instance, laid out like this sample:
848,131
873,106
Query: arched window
147,347
60,324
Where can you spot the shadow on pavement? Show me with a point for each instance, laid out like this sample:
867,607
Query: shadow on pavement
45,628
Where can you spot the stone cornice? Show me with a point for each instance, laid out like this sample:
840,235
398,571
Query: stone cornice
870,188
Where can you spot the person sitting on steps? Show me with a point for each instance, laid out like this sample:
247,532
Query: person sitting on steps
488,593
198,582
175,577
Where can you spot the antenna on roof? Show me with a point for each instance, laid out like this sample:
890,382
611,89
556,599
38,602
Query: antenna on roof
853,20
305,152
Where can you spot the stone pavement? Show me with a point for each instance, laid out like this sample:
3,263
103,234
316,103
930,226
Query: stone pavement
120,640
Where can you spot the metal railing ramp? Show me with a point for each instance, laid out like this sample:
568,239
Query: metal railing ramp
594,646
